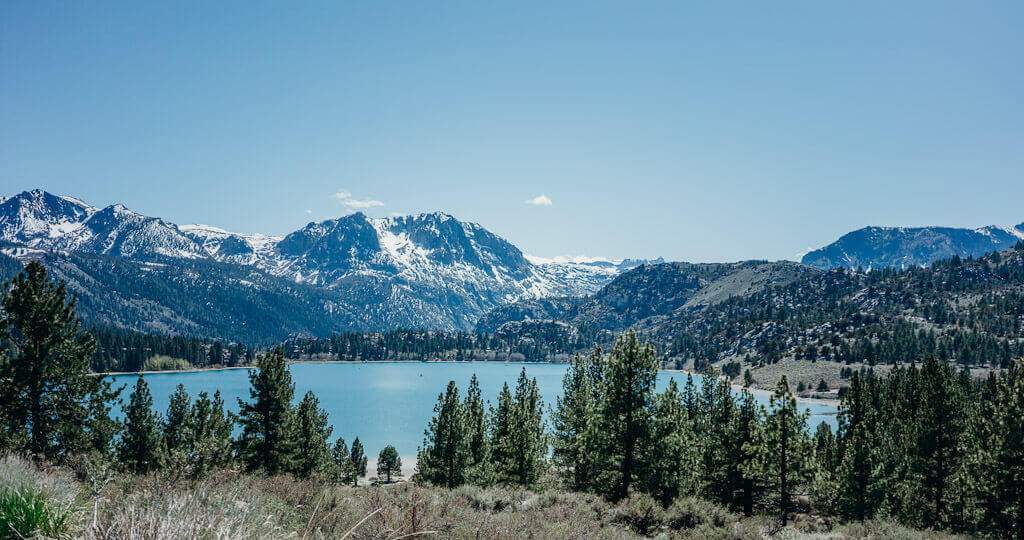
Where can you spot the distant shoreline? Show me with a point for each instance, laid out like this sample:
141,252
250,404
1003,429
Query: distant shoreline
226,368
765,392
736,387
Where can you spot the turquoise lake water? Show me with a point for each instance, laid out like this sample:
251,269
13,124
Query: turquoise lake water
388,402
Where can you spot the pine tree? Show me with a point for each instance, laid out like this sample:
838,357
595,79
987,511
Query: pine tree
140,447
100,427
501,423
389,463
787,445
521,439
859,495
1007,474
669,462
178,428
49,402
211,442
444,456
825,463
357,462
719,465
266,442
311,433
625,413
479,471
939,432
748,452
342,465
572,421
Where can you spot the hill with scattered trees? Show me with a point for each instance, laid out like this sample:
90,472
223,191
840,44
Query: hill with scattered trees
756,315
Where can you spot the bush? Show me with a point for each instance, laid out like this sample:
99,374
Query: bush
691,512
165,363
640,512
27,513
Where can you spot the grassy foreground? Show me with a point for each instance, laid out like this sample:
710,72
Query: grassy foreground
54,502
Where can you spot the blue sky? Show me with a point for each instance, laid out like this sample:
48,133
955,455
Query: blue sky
702,131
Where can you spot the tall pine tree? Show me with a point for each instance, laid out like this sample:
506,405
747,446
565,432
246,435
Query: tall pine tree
49,402
519,435
938,436
572,425
211,434
140,448
669,467
357,462
627,393
266,442
476,427
787,446
178,428
444,456
311,433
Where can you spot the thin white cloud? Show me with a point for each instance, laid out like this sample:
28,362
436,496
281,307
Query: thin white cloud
309,211
344,197
539,200
369,203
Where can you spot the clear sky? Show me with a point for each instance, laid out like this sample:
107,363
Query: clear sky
701,131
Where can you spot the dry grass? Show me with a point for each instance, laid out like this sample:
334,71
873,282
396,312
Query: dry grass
810,373
228,504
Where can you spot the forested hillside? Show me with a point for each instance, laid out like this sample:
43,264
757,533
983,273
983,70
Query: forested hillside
124,350
968,311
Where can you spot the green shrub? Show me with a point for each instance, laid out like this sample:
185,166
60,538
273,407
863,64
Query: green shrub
165,363
640,512
691,512
28,513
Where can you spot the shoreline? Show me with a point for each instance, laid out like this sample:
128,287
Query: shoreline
226,368
764,392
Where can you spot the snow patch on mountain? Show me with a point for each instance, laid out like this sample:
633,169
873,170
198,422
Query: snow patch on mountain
430,268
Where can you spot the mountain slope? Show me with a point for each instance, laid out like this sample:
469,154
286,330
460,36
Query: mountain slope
648,294
754,315
903,247
36,217
426,271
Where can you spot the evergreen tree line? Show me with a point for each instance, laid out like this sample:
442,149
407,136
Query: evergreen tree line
125,350
929,447
276,435
466,443
435,345
613,435
52,407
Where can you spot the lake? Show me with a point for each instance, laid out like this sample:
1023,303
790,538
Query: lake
389,402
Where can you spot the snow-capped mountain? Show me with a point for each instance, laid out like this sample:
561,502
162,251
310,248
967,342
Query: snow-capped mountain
902,247
115,230
581,275
45,221
428,270
36,217
224,246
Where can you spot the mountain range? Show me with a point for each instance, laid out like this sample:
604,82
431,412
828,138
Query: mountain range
427,271
755,314
354,272
903,247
